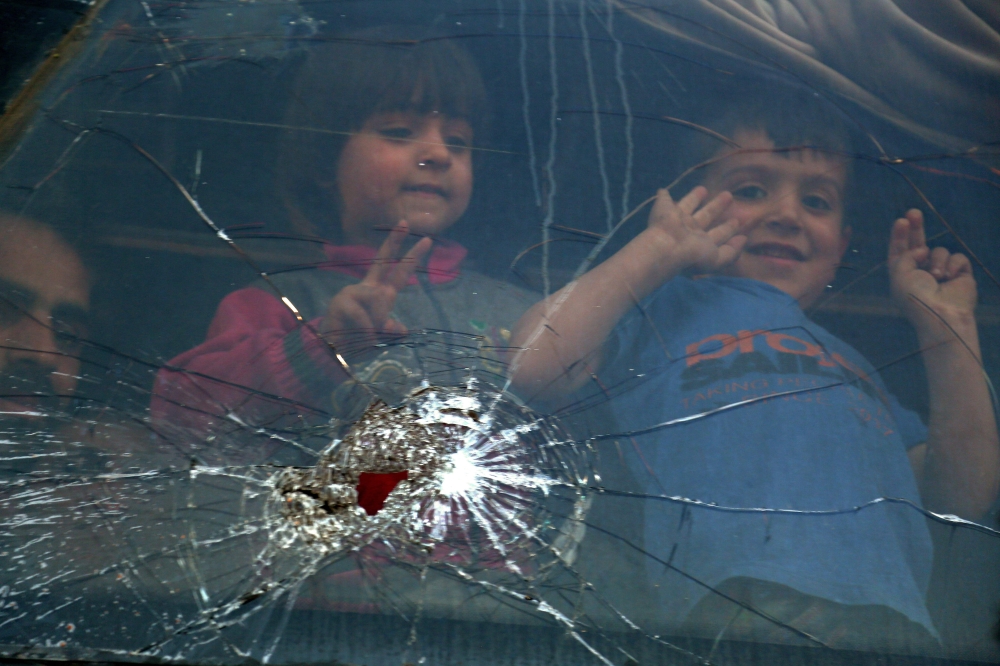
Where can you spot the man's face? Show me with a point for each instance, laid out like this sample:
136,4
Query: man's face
44,299
791,207
404,165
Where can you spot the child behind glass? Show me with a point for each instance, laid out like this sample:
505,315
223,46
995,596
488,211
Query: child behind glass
739,400
379,163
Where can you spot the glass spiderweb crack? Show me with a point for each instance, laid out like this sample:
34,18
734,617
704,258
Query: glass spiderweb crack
476,463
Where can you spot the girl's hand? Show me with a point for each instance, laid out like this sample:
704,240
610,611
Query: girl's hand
692,234
923,280
362,311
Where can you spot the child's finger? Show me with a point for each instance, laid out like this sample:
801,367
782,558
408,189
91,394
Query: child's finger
722,233
958,264
394,327
711,211
386,253
400,274
918,238
689,204
664,208
664,202
350,315
731,250
899,240
938,263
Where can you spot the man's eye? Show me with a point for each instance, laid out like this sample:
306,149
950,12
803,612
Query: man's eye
749,192
816,202
69,324
396,132
68,337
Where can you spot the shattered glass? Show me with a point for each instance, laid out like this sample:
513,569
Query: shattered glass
414,504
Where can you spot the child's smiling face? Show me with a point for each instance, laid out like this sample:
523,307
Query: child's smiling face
403,165
791,208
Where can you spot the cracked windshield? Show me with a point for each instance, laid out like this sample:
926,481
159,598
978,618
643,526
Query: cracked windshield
500,332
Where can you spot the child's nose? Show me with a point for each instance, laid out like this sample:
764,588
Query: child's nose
432,151
784,216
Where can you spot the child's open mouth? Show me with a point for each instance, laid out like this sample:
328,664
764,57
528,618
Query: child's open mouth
777,251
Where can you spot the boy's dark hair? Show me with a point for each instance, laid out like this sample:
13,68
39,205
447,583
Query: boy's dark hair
343,82
790,114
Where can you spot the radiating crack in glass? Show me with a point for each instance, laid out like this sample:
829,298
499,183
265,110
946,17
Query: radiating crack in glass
470,467
118,547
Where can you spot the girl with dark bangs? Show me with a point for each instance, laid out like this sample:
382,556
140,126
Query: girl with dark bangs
379,163
344,83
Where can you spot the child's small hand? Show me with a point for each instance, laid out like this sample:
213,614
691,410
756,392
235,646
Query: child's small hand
923,279
694,235
366,307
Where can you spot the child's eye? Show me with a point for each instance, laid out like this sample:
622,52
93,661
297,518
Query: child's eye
749,192
459,142
396,132
816,202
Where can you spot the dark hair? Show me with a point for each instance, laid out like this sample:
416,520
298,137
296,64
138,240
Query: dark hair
790,114
343,82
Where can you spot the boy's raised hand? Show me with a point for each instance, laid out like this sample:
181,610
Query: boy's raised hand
361,311
958,468
923,279
692,233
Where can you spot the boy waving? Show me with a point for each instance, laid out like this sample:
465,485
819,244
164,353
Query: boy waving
777,429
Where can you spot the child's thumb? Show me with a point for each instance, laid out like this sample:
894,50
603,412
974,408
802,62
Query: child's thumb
394,327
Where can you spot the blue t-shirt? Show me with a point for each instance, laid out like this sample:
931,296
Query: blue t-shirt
830,437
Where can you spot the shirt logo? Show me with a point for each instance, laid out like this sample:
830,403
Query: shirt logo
725,356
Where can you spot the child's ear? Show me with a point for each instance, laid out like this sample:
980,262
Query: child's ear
845,240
